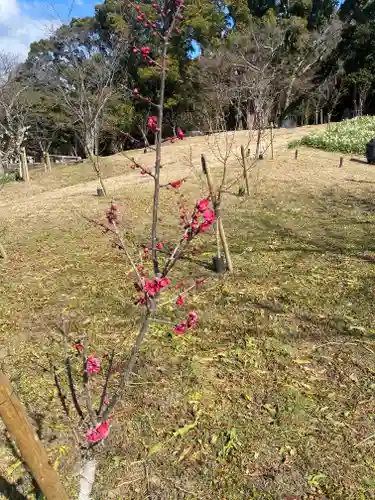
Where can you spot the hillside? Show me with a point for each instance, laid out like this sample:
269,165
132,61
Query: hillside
271,396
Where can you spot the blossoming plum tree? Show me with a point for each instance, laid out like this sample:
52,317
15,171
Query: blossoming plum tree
151,283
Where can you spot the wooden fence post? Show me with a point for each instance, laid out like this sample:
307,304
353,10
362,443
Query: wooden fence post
341,162
245,174
32,451
271,140
296,154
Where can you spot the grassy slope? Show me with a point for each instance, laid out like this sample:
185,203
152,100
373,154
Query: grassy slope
279,376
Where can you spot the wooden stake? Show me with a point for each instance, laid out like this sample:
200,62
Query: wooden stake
245,173
48,162
296,154
32,451
216,205
271,140
258,143
341,162
3,253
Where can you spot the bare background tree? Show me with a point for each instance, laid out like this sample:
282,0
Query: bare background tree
14,108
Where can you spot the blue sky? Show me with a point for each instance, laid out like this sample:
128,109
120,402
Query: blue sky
25,21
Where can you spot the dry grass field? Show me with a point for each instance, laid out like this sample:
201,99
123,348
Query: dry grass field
272,396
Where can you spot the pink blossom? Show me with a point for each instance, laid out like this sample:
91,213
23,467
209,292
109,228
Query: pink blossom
181,300
181,328
205,226
150,288
164,282
159,246
140,17
98,433
176,184
153,123
192,319
141,300
180,134
93,365
202,205
208,215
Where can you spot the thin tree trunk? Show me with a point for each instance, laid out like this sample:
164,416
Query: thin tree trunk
258,141
321,116
245,174
155,209
25,166
87,479
32,451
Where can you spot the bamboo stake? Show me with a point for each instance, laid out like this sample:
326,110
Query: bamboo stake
32,451
216,205
271,140
245,174
48,162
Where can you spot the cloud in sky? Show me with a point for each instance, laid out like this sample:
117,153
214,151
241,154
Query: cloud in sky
21,24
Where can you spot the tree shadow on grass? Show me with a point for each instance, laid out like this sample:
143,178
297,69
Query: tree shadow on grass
10,490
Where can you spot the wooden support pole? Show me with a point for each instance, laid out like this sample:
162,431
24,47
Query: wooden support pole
271,137
3,253
216,205
341,162
48,162
296,154
32,451
245,173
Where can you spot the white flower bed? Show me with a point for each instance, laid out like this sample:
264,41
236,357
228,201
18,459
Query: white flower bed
349,136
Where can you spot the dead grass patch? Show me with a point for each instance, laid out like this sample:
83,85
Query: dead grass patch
271,396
